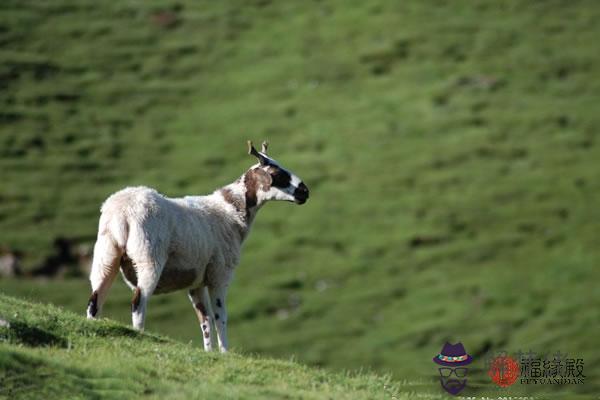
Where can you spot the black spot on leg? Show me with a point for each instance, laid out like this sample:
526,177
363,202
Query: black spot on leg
135,302
93,304
216,316
200,307
219,304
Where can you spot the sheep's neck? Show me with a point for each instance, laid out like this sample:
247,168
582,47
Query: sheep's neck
245,208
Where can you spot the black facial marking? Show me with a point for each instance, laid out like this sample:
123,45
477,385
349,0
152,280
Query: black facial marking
280,178
301,193
219,303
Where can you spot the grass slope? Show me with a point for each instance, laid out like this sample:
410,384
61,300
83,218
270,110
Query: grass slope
451,149
50,353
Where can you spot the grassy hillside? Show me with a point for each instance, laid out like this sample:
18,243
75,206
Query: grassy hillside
49,353
451,150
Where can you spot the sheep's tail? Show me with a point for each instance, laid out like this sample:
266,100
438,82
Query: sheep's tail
108,250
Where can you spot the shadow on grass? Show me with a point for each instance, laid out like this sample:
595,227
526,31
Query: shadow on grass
28,335
123,331
26,376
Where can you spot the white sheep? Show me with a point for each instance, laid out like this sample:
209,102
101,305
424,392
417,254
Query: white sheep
163,244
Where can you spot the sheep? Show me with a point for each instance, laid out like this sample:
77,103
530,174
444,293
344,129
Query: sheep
163,244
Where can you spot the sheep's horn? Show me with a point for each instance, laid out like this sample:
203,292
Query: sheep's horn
252,151
264,147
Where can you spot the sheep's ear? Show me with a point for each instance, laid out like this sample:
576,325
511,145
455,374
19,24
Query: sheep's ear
264,147
252,151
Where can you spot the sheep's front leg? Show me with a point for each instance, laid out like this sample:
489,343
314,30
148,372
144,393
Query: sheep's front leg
217,298
199,300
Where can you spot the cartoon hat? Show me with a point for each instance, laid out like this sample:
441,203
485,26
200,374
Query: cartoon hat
453,355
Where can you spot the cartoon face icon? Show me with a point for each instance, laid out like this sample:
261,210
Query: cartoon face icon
453,374
453,379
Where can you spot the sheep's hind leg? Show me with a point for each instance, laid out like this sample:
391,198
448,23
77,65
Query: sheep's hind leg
105,267
217,297
148,275
198,297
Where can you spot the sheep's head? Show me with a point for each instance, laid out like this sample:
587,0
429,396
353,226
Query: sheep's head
268,180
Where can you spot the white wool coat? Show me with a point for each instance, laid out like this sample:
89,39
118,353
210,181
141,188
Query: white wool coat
197,238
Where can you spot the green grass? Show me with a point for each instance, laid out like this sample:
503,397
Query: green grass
50,353
451,150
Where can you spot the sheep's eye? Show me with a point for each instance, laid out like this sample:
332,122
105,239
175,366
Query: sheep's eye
280,178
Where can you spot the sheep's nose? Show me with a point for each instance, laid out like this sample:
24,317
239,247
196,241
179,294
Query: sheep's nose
301,193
